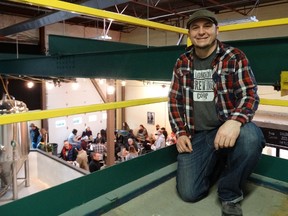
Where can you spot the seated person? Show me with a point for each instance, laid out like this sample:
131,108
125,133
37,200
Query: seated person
73,139
96,162
142,134
132,142
122,154
160,141
100,148
68,152
172,139
87,135
82,158
98,138
132,153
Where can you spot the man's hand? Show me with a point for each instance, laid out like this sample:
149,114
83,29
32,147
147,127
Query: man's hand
227,134
184,144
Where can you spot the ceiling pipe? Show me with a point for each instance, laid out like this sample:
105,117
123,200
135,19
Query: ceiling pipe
195,9
158,8
226,7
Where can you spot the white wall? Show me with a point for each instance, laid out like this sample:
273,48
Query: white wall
138,115
64,97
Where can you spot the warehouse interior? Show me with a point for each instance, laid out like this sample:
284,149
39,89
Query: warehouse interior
45,42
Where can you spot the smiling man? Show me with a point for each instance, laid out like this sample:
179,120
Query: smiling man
212,100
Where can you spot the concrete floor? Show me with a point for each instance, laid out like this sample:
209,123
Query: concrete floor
35,186
163,201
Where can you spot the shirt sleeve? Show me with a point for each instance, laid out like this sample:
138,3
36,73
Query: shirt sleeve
175,103
245,91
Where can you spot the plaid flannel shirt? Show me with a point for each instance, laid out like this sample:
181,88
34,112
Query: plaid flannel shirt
235,89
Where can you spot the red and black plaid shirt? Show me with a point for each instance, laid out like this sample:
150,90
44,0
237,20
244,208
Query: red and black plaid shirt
235,88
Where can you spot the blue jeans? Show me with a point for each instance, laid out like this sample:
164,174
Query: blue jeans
197,171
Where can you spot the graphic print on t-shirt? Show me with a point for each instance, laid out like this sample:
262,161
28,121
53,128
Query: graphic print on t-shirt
203,85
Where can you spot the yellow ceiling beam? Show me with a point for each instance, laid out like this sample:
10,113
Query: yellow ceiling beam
75,8
259,24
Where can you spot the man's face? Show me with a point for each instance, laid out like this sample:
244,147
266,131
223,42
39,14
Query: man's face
97,156
130,141
203,33
66,145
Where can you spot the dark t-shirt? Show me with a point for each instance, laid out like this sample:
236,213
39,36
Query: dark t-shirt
205,115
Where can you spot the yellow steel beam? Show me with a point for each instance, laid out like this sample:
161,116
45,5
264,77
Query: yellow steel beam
274,102
45,114
260,24
75,8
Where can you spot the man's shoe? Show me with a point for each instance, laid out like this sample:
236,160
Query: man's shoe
231,209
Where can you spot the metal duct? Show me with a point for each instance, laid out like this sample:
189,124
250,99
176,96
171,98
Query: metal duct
55,17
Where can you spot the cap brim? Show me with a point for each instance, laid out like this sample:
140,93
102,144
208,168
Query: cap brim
197,18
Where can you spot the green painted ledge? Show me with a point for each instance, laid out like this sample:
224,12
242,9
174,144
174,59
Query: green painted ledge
105,189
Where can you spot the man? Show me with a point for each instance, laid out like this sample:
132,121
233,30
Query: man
96,162
212,100
68,152
34,135
74,139
82,158
160,141
155,134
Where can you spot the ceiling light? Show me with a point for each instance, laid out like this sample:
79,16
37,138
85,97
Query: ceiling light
75,86
30,84
110,90
49,85
123,83
103,37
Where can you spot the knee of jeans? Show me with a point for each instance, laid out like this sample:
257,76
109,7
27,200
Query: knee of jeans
191,196
252,141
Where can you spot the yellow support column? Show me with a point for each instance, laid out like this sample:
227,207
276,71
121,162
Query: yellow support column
284,83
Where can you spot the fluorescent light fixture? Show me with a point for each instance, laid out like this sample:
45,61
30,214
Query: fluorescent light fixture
103,37
238,21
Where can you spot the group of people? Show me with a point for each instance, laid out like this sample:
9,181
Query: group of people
38,136
142,142
86,152
79,155
81,150
156,140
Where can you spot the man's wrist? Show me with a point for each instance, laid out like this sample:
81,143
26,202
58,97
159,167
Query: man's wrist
181,133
